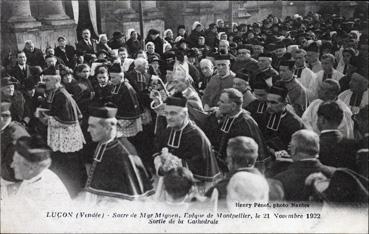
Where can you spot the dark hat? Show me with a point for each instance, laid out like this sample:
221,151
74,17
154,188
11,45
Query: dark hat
181,26
103,52
5,106
153,32
5,81
242,76
222,57
270,47
50,71
103,110
62,38
347,186
115,68
278,90
117,35
314,47
33,148
176,100
265,55
287,63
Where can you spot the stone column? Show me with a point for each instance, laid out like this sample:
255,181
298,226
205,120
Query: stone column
124,8
21,15
52,12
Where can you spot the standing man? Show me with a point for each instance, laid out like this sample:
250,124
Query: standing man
115,171
229,121
304,74
312,57
21,71
185,140
87,46
222,80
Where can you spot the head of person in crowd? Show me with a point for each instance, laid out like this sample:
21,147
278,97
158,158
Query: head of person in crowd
82,71
359,80
50,61
181,30
6,117
50,51
257,50
21,58
328,61
102,123
280,49
201,41
328,90
326,48
181,80
51,78
246,187
122,53
276,99
31,157
29,46
154,62
153,34
230,102
220,23
347,55
182,44
178,184
330,116
103,39
133,35
141,65
241,82
66,74
213,28
300,57
7,87
264,61
207,68
180,56
304,145
62,42
223,47
193,56
286,70
243,53
86,34
119,37
176,111
312,53
223,64
223,36
242,152
168,34
116,74
141,54
102,55
260,90
150,47
197,26
102,75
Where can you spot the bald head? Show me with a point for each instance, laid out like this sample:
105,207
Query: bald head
304,145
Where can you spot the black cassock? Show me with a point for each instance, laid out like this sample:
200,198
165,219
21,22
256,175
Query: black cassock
117,173
192,146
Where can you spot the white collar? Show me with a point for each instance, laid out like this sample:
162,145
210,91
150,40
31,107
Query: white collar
329,130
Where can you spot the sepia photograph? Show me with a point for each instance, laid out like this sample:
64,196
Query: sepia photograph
135,116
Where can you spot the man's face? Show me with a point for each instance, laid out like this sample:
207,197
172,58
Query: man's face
207,70
280,52
102,78
5,119
123,55
201,41
311,56
223,37
222,67
62,43
50,62
134,35
67,78
223,47
299,59
85,73
243,54
50,82
285,73
50,51
23,170
116,78
175,116
327,65
155,65
97,131
275,105
221,24
150,49
258,50
225,105
143,68
21,58
240,85
346,57
8,90
179,83
263,63
358,83
86,34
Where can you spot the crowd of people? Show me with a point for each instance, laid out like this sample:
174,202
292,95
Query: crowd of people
270,111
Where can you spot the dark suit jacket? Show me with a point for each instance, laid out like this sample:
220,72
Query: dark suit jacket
68,56
35,58
337,151
83,48
20,75
293,179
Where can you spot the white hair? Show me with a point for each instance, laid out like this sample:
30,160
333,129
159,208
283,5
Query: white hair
206,62
166,32
140,61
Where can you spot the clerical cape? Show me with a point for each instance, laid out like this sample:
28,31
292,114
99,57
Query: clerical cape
117,173
193,147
